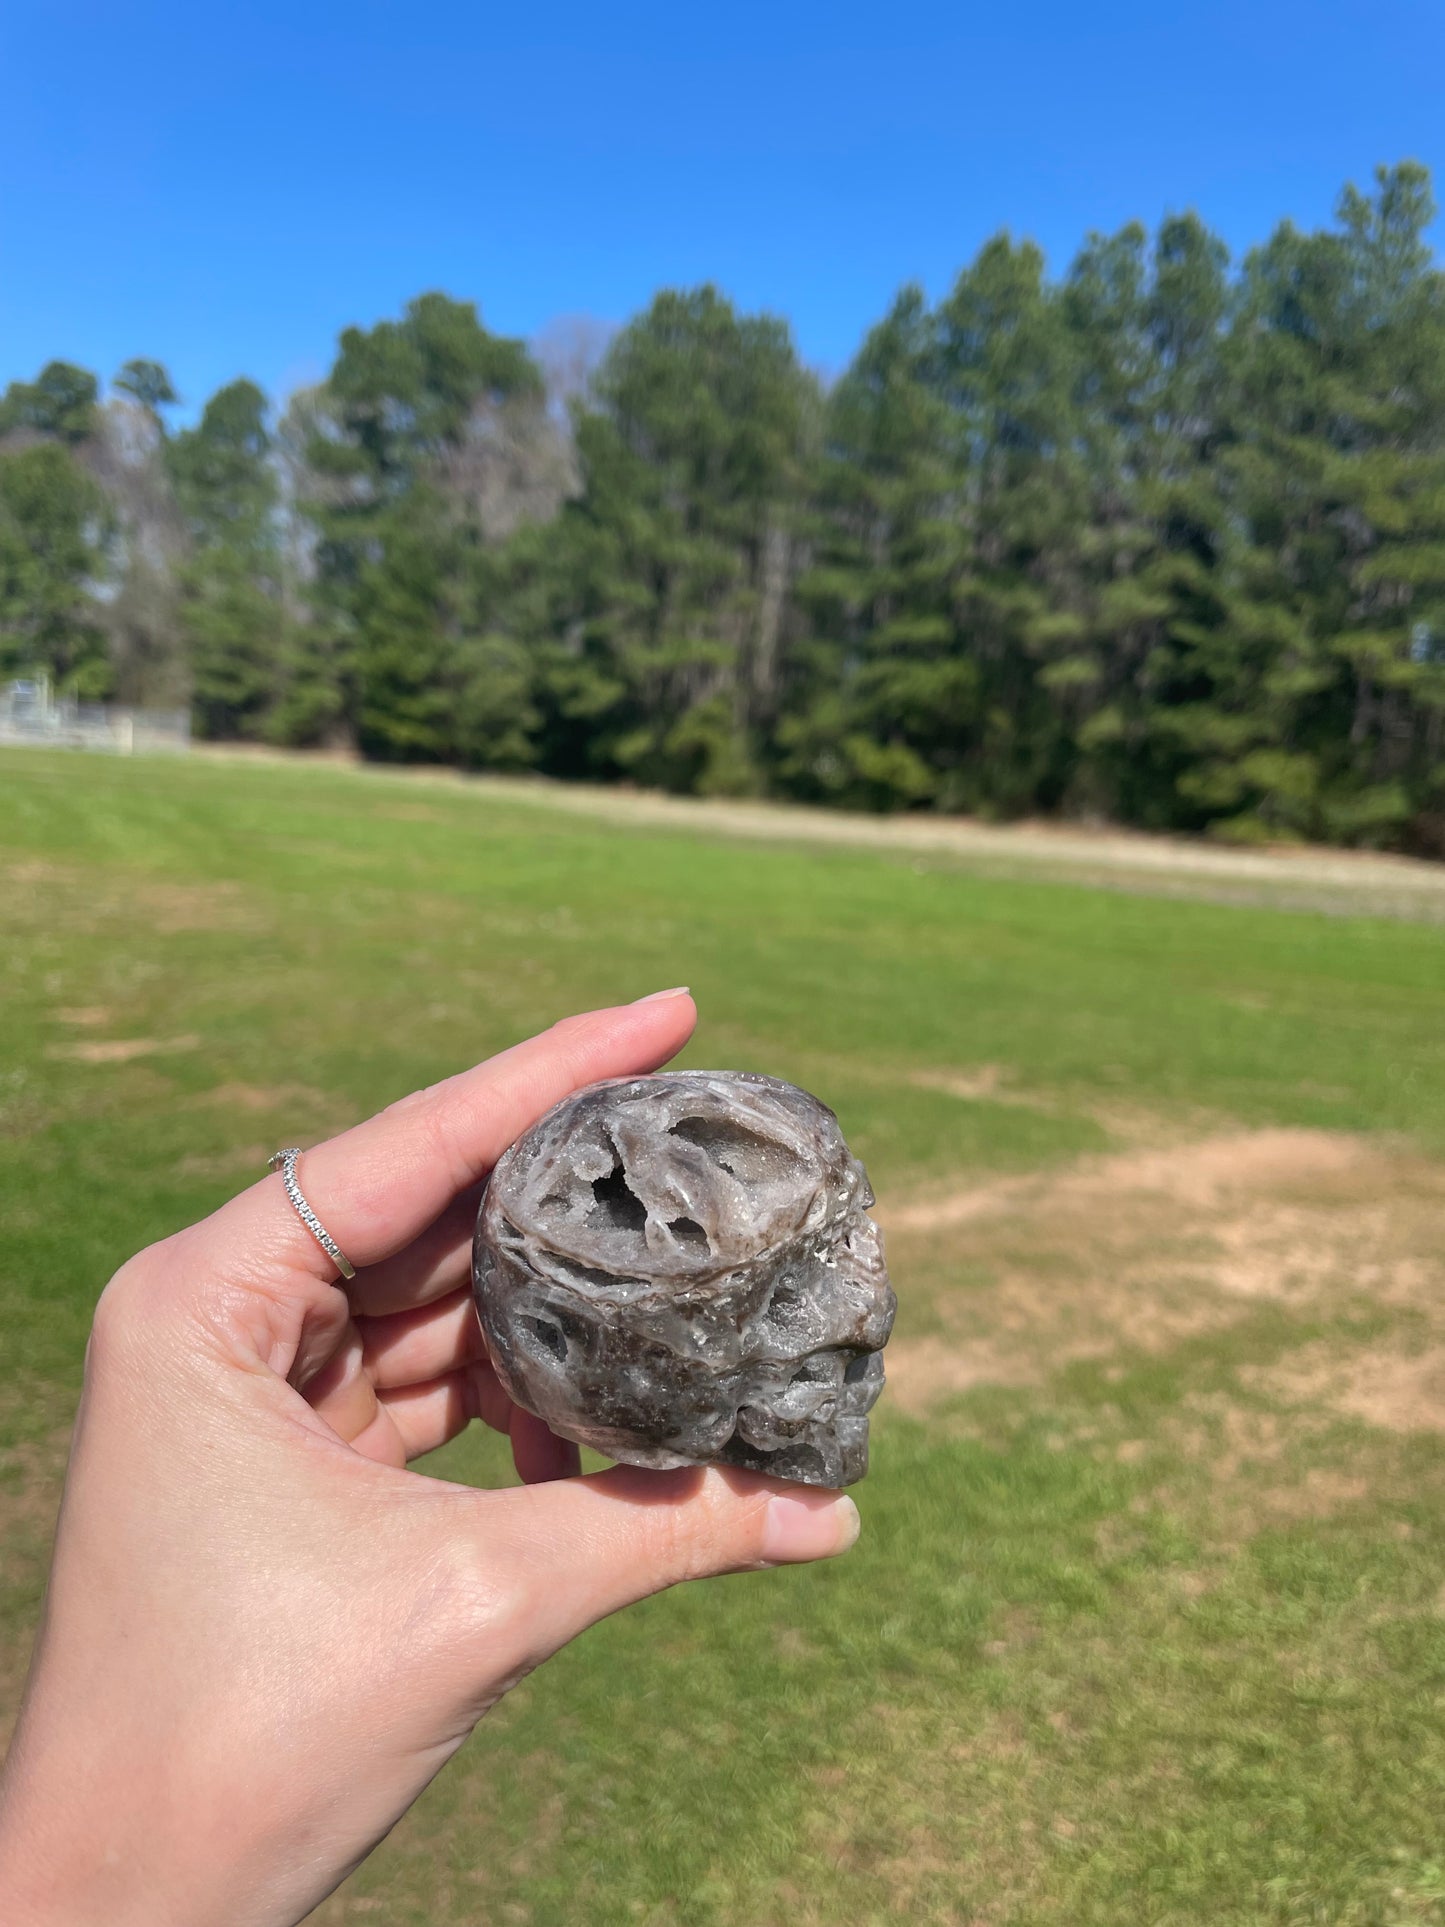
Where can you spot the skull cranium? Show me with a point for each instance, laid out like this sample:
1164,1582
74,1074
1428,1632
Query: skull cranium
680,1270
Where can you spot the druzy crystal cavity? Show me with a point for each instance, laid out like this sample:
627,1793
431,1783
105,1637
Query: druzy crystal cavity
681,1270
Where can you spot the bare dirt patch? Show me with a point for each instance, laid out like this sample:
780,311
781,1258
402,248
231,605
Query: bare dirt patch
922,1372
175,908
120,1050
1395,1390
1235,1467
1195,1173
1247,1160
78,898
1132,1125
983,1082
86,1017
1005,1282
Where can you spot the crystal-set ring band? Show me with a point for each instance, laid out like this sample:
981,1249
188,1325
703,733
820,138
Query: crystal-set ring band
285,1163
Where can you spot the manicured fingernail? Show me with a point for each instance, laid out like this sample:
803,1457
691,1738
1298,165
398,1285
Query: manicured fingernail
815,1527
656,996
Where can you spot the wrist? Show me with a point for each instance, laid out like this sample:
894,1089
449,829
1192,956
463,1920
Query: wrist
57,1869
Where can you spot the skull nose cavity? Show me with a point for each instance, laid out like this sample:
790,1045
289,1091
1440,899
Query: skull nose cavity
786,1308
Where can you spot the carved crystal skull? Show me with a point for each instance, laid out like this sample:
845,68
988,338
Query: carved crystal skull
680,1270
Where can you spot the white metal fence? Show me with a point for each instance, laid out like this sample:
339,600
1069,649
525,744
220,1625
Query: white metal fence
29,713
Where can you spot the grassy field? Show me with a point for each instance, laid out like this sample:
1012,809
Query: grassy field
1147,1623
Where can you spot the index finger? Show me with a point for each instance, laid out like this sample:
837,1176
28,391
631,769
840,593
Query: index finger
378,1185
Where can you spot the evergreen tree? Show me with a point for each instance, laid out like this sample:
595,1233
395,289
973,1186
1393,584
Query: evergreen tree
54,531
677,558
401,493
226,485
60,402
879,684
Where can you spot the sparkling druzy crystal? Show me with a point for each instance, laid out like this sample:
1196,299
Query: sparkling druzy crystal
681,1270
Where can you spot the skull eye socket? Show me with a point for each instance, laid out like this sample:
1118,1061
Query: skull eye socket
688,1231
859,1368
813,1371
549,1336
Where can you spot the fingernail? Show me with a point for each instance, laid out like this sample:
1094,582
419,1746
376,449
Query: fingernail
816,1527
656,996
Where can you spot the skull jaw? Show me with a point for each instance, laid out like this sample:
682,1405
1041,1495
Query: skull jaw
806,1421
833,1453
828,1453
611,1386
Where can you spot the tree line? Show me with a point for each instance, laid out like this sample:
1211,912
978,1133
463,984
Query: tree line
1161,542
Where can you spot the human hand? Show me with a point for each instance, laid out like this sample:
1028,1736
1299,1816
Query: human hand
263,1636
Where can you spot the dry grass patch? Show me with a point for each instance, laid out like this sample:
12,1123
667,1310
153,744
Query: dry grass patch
237,1161
1135,1125
157,904
254,1099
965,1807
301,1113
1146,1249
1385,1386
924,1371
1197,1173
1241,1468
174,908
77,897
120,1050
412,813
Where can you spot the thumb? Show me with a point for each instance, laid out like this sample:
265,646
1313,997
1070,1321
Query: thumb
583,1548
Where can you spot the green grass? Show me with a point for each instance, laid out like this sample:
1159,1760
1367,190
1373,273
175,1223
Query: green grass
1091,1661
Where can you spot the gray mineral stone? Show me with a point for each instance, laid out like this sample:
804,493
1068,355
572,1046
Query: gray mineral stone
681,1270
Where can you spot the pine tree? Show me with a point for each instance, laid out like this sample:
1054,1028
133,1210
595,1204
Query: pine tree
54,530
677,558
233,607
407,439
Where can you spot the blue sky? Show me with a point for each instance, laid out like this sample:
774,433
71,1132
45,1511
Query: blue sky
224,187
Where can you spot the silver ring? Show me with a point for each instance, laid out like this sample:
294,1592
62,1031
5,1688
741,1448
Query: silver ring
285,1163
